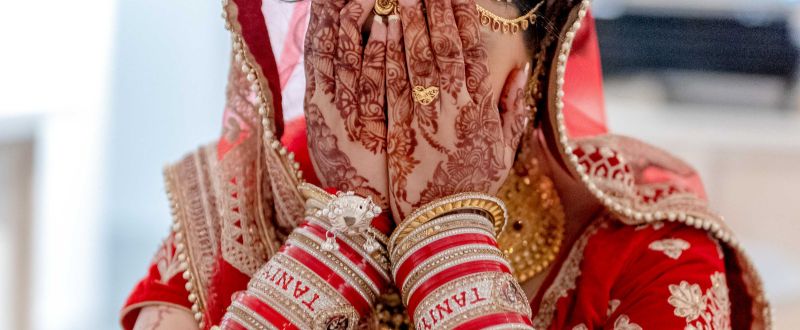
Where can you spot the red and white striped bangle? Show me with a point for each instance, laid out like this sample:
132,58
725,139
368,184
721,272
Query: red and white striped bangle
455,277
323,276
372,270
470,297
419,256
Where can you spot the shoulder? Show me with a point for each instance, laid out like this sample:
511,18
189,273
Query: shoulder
657,274
628,250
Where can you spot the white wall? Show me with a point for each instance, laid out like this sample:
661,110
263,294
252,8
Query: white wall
170,71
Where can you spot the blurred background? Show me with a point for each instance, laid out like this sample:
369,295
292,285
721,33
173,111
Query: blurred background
96,96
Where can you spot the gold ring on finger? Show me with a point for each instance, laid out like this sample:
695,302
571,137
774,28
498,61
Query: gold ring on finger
385,7
425,95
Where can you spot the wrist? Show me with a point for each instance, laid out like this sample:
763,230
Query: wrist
329,273
450,272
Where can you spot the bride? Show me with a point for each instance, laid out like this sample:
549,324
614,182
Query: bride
452,170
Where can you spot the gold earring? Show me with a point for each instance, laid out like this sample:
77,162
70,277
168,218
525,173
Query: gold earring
507,25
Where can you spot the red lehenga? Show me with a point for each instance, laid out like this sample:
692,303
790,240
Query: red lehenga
656,257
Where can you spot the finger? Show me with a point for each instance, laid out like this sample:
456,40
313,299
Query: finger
446,45
513,108
323,43
348,64
475,54
308,49
419,56
398,93
372,96
400,138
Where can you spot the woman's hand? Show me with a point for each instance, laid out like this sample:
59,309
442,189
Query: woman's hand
344,102
459,142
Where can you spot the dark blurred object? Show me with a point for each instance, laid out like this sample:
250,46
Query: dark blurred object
637,42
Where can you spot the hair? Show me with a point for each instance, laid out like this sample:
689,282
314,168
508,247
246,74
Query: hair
550,19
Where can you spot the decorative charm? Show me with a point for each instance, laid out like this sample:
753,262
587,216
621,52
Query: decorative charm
507,25
385,7
425,95
349,214
340,318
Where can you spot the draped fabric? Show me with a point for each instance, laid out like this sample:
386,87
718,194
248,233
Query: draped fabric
233,201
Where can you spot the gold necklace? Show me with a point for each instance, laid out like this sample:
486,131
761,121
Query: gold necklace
507,25
532,239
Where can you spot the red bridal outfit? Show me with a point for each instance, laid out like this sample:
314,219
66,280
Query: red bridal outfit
255,245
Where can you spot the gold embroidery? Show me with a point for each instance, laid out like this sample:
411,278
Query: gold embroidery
565,279
655,225
672,247
623,322
612,306
709,310
166,260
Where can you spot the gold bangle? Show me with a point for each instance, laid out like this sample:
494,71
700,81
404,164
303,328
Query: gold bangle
493,206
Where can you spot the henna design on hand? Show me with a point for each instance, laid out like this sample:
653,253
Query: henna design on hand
344,103
401,141
332,161
462,143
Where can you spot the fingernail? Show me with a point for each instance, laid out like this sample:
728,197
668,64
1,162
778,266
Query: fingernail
394,17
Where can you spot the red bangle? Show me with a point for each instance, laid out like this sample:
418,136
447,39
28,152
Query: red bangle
229,324
450,274
264,310
328,275
355,257
491,320
383,224
419,256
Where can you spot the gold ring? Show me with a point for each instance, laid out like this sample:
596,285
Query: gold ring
385,7
425,95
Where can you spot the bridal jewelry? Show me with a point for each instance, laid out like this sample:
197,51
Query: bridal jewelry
385,7
533,237
507,25
346,213
423,95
